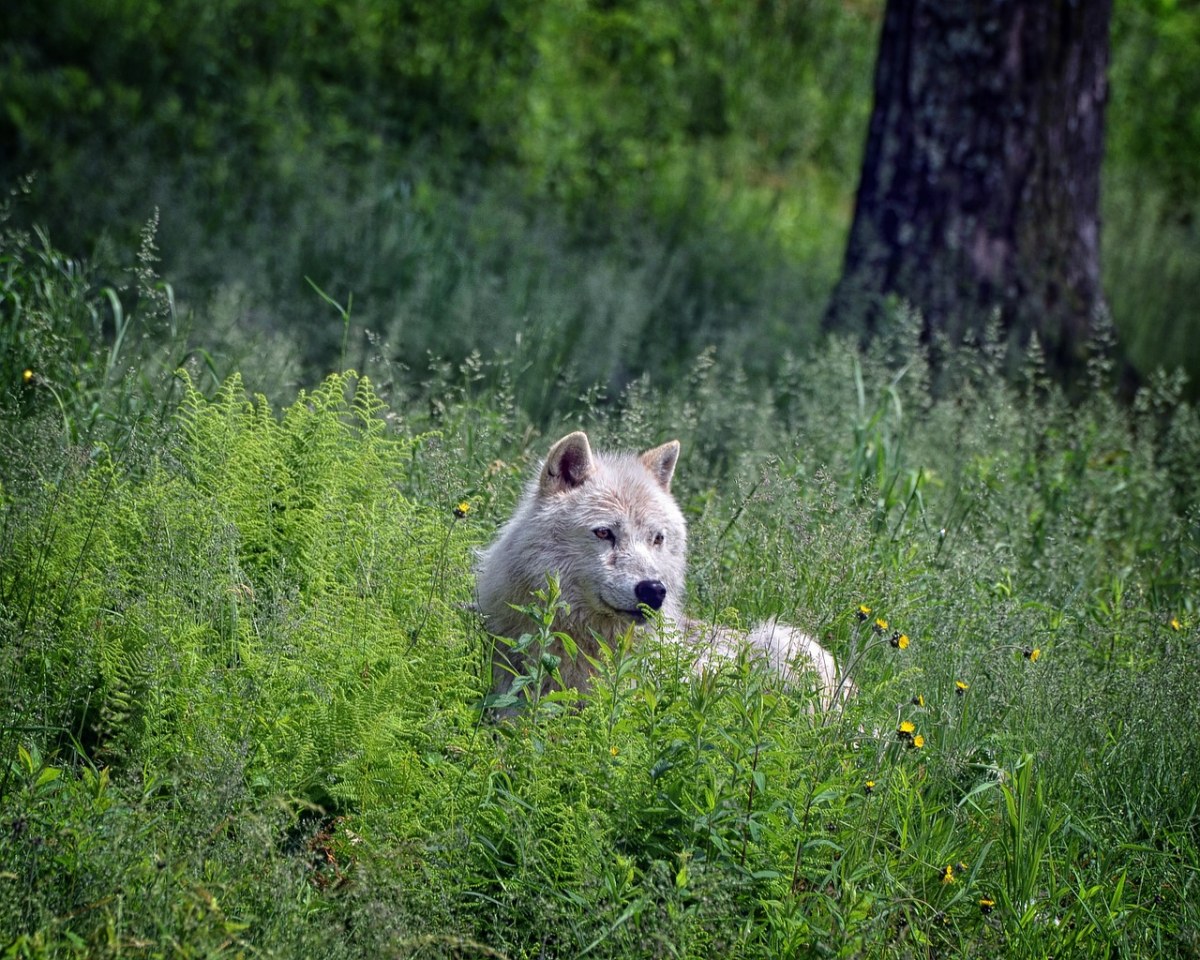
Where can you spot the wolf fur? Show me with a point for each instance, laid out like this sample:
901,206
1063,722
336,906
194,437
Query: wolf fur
607,526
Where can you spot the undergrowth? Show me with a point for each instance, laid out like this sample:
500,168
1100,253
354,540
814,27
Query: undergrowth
241,679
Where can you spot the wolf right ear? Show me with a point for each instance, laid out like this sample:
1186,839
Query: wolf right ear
568,464
661,463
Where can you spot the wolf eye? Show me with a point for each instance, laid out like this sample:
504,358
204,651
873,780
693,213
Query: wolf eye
603,533
659,539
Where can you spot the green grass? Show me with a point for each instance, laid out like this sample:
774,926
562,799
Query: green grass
240,679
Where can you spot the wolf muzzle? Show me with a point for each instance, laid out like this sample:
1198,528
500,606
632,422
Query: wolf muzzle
651,592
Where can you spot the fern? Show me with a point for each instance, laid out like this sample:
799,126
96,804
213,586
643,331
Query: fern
263,592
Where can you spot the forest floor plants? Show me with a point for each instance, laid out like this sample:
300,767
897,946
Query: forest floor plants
241,683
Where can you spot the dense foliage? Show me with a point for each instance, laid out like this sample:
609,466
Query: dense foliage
694,162
240,680
240,675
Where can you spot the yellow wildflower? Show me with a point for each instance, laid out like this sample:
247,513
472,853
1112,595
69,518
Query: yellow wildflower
27,377
880,624
1173,623
906,729
918,700
1032,655
863,612
948,874
987,904
918,741
869,787
900,640
462,509
960,688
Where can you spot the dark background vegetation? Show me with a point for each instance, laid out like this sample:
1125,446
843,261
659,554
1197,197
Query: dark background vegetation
619,185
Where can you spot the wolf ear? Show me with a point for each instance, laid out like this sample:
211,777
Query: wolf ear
568,464
661,462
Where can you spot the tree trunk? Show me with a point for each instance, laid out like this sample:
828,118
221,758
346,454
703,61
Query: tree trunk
980,185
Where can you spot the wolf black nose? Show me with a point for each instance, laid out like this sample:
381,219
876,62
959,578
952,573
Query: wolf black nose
652,593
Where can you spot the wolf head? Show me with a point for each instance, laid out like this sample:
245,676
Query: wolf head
606,525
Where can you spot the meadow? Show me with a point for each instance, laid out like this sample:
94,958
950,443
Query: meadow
240,682
293,296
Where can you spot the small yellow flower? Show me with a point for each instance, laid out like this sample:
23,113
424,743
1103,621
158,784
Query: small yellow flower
27,377
986,904
613,750
918,741
1032,655
1173,623
906,729
918,700
880,624
960,688
869,787
462,509
900,640
863,612
948,874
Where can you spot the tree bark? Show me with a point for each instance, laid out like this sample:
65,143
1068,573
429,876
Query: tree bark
980,186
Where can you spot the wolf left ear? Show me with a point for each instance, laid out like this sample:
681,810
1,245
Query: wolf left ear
568,464
661,462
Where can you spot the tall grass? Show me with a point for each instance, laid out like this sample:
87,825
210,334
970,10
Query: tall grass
1151,265
240,684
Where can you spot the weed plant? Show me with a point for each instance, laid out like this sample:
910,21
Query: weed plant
241,683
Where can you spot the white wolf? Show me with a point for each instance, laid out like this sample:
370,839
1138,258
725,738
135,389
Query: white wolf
607,526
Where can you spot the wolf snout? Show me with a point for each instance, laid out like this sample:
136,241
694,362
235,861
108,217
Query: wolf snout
651,592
